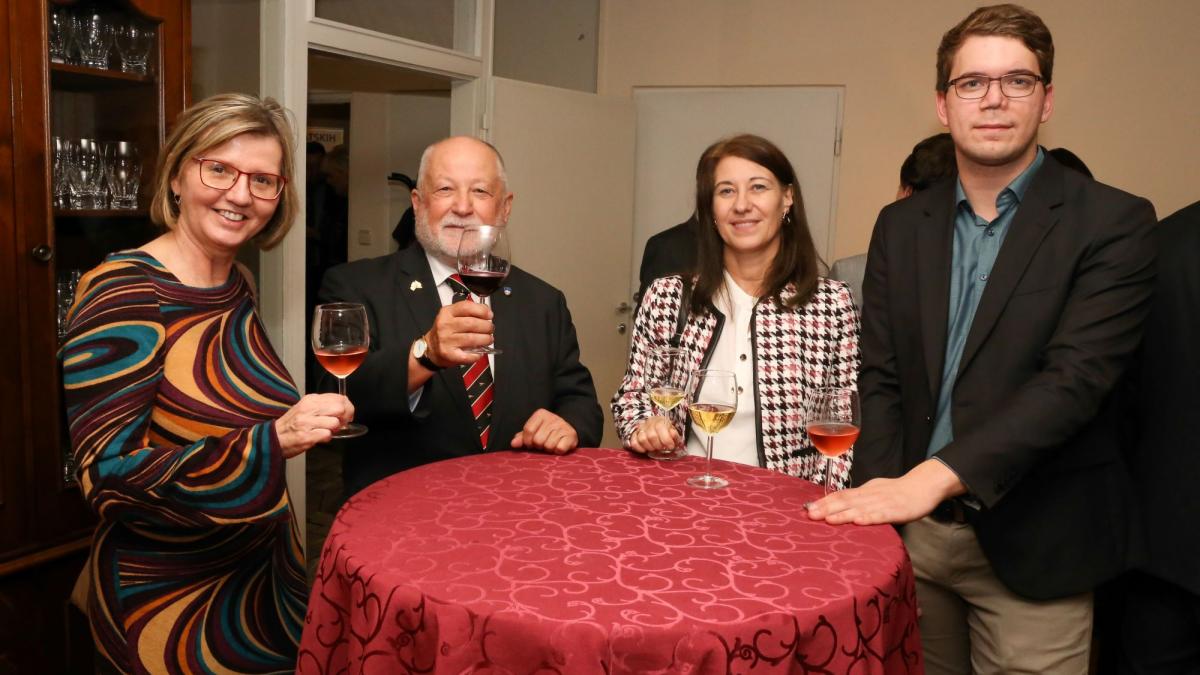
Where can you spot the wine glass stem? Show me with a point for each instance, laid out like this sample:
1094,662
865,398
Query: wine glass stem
708,458
342,390
828,474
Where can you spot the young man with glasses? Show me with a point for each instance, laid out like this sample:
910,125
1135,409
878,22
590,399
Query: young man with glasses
1000,311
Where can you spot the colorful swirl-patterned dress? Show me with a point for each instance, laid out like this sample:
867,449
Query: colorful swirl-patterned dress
171,390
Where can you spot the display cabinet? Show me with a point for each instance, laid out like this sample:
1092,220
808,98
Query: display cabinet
92,88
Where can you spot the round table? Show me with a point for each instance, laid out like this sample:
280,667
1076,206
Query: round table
601,561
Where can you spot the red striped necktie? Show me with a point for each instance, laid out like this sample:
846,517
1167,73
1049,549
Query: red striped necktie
477,377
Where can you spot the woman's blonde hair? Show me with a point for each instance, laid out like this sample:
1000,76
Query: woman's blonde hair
211,122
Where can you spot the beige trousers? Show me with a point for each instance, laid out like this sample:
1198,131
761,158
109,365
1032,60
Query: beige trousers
971,623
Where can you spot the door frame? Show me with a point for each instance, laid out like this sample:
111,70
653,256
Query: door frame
288,30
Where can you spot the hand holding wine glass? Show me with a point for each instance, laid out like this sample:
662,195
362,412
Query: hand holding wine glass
340,338
833,423
313,419
665,382
484,261
712,403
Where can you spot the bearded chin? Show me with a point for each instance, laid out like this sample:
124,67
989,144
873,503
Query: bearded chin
435,246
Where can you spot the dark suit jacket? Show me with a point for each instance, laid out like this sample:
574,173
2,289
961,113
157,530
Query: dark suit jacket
539,368
1034,428
1166,462
672,251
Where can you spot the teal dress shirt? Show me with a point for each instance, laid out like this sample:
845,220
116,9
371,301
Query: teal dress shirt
976,245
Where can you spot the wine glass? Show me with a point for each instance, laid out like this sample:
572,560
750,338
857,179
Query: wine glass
483,264
134,41
665,385
94,32
712,402
833,423
340,338
123,170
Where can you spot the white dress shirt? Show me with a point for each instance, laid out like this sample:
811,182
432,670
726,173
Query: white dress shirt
734,352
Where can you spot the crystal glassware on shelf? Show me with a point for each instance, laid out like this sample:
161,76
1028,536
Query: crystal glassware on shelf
94,35
65,287
91,153
59,33
60,157
123,169
134,41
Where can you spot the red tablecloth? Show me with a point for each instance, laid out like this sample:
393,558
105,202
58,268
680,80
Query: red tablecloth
603,562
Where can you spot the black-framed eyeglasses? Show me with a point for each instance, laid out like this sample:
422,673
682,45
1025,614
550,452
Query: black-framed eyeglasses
222,176
1012,85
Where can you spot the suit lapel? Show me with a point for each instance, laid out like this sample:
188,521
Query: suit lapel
934,244
1035,218
415,283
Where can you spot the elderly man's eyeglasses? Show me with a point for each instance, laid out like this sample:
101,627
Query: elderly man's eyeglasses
223,176
1012,85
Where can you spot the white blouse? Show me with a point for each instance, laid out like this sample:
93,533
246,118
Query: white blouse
733,351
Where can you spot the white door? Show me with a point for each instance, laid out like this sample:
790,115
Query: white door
676,124
570,159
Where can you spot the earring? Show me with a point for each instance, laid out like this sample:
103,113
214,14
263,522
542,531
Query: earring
177,198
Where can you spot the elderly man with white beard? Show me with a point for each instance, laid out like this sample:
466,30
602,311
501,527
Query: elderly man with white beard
423,397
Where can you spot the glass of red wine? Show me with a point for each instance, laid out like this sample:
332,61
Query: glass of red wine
483,264
340,338
833,423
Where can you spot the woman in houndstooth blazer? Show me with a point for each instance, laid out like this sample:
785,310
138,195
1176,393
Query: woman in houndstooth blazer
756,305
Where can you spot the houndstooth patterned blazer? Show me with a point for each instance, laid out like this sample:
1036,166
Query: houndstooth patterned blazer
795,351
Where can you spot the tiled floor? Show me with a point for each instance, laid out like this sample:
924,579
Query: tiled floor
324,490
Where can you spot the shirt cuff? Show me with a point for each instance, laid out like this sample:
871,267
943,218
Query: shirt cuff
967,499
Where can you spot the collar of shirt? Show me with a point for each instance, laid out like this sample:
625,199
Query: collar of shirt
441,272
1009,198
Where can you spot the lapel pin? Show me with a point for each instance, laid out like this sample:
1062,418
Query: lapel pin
415,286
508,290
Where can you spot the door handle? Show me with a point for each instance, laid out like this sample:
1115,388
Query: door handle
42,253
624,308
621,328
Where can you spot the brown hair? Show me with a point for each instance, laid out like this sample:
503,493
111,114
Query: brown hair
795,263
1012,21
211,122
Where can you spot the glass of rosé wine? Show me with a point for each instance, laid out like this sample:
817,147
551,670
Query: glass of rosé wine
833,423
340,338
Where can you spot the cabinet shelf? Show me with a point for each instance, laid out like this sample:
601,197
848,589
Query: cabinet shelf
67,77
101,213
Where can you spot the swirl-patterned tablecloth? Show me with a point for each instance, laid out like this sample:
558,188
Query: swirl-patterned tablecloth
601,561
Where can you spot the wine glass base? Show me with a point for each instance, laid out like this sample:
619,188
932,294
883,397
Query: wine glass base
707,481
350,431
482,350
667,455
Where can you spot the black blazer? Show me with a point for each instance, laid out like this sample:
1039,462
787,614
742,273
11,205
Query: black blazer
539,368
672,251
1033,418
1166,459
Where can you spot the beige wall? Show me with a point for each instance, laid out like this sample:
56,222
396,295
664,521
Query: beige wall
1127,99
547,42
224,47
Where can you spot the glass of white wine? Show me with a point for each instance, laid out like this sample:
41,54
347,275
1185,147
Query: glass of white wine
712,403
665,382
